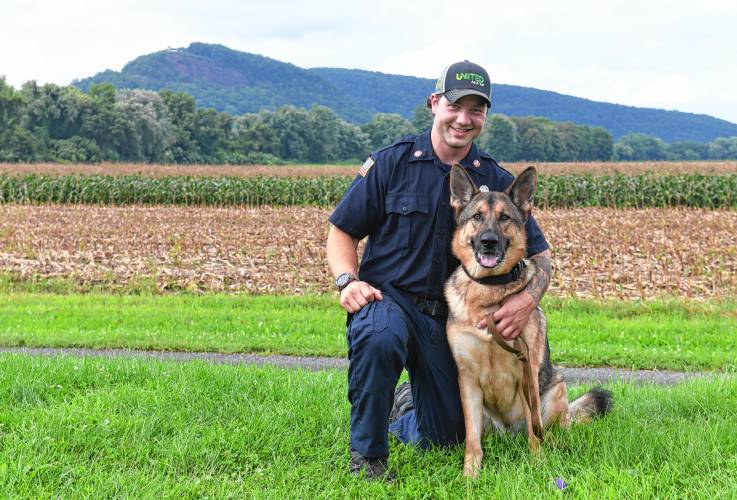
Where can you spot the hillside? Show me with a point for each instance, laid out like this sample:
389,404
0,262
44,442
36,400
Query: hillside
230,81
240,82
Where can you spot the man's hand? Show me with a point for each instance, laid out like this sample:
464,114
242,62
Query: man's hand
513,315
357,294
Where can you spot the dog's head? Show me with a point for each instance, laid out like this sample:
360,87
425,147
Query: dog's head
490,238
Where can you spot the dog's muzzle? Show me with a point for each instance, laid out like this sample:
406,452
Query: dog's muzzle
488,250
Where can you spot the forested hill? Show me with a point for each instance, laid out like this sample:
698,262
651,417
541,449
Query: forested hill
231,81
240,82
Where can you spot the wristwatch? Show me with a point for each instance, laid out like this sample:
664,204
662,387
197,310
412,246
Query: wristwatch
342,280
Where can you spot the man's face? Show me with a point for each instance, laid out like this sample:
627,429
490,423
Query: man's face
460,122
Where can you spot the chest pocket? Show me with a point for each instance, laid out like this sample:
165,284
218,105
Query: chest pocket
409,214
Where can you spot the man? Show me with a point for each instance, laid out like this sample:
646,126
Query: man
395,305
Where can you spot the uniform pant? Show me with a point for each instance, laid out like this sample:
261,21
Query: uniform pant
383,338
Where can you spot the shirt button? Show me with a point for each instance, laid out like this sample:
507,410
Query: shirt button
404,209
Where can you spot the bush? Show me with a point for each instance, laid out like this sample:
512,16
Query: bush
76,150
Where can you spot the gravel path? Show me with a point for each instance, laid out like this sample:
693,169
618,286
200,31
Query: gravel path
572,375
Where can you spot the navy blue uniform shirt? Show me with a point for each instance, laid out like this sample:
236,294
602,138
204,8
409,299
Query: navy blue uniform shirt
403,205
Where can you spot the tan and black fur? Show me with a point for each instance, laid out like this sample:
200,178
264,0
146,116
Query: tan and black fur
490,240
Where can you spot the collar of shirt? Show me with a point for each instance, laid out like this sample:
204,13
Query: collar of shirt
422,151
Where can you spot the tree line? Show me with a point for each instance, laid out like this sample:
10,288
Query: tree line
639,147
64,124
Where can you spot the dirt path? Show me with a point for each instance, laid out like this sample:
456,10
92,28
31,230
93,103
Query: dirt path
599,375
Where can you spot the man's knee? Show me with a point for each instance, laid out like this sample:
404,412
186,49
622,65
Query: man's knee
379,333
452,434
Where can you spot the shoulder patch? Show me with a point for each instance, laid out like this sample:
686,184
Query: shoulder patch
366,167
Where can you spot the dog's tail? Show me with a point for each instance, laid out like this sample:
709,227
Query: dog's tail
595,403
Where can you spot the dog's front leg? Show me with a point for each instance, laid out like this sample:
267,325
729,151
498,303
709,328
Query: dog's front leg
472,400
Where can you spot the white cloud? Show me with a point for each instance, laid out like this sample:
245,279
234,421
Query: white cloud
670,54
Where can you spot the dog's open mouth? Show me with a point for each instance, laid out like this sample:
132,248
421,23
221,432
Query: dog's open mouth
488,261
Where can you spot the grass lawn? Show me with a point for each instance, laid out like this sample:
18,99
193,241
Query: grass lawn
673,334
75,427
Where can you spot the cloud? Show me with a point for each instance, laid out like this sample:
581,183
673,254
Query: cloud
670,54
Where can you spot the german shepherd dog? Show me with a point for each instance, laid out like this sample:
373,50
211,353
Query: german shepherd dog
496,394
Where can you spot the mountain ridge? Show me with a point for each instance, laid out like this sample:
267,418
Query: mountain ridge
240,82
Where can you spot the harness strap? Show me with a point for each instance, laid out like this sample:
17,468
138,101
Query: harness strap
522,352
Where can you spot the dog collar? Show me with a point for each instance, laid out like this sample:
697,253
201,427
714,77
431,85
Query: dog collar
500,279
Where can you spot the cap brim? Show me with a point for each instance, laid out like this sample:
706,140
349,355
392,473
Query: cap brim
454,94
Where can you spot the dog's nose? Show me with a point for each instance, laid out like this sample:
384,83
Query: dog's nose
489,239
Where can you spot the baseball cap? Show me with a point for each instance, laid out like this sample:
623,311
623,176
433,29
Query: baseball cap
464,78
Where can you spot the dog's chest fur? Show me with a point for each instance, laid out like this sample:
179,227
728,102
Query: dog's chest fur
476,353
469,302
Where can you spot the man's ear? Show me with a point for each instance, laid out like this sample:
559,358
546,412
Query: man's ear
523,189
432,102
462,188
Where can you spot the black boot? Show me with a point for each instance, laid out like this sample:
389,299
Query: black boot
374,467
402,402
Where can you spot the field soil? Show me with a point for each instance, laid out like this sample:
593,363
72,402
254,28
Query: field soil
682,167
597,252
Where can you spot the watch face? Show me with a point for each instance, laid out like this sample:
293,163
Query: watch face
343,280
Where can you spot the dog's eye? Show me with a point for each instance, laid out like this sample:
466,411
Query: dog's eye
477,216
503,218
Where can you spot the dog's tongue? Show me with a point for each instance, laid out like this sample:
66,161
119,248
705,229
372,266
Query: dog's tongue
487,260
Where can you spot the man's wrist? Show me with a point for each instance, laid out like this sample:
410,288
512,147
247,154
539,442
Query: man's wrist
344,279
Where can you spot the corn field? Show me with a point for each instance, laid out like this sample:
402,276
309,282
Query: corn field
598,252
554,191
593,168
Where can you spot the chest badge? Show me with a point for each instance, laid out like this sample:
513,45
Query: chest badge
484,188
476,163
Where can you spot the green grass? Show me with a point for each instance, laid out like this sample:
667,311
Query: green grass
226,323
666,335
77,427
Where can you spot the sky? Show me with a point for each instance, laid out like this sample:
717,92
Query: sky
679,54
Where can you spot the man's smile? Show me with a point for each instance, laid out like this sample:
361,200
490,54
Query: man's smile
461,131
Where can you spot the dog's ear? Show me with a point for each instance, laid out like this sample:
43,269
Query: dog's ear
523,189
462,188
